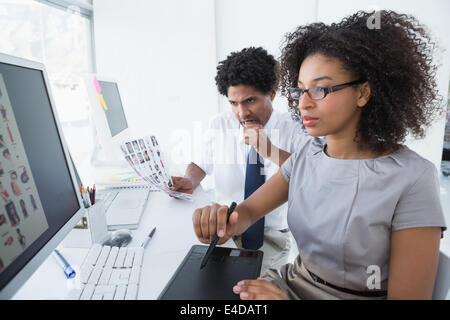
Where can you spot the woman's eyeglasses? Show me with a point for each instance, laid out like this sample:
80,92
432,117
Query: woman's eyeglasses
318,93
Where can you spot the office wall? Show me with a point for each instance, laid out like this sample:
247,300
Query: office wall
163,55
263,23
241,24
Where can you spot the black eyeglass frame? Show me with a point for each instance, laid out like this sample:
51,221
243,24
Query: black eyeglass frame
327,90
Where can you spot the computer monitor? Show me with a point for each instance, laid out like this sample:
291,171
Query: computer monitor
39,199
110,122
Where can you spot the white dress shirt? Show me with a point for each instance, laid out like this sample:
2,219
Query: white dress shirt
224,156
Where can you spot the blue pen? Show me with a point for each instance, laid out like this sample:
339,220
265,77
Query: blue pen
68,270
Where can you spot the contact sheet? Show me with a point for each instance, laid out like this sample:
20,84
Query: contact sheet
146,158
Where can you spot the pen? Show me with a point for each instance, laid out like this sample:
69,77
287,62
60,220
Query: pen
89,194
68,270
85,197
88,199
150,236
216,238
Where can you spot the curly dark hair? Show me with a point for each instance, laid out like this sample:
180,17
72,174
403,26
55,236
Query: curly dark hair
250,66
396,60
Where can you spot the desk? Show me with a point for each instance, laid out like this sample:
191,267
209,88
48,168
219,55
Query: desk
172,240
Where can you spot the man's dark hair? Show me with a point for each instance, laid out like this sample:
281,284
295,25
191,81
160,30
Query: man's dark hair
250,66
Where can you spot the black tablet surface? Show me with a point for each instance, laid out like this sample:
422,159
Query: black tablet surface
225,268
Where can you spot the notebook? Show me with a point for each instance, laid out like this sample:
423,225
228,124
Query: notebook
225,268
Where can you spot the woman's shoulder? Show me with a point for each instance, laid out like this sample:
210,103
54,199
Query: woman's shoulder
308,148
404,166
407,160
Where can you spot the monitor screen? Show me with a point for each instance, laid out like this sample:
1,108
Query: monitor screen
37,195
114,112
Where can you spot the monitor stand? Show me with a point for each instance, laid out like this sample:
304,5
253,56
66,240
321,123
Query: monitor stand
107,157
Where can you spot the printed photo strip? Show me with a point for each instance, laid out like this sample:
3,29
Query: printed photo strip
147,160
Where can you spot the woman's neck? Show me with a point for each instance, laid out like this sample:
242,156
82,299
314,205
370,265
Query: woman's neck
344,148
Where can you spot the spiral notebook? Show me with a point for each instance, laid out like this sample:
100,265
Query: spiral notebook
123,180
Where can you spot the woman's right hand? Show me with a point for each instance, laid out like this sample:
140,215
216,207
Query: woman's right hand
212,219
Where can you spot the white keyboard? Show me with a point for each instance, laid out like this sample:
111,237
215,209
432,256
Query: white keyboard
108,198
124,208
109,273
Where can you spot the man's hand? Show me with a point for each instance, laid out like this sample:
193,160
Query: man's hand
181,184
258,290
255,136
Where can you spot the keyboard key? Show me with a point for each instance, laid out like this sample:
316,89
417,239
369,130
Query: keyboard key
106,274
134,275
129,258
108,296
93,254
124,276
103,255
109,273
120,292
97,297
95,275
102,290
87,292
138,256
115,276
120,257
132,292
75,293
86,271
112,256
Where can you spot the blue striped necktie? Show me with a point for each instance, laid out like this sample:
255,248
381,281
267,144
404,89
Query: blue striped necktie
253,237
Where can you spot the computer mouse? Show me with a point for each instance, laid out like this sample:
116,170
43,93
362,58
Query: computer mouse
120,238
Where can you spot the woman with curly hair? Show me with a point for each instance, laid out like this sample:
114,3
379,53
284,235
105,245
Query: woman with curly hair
364,209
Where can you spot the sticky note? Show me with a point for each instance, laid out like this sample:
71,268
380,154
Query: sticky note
97,85
102,102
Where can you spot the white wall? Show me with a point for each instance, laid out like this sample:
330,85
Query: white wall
241,24
163,55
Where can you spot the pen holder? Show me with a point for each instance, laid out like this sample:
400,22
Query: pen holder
92,229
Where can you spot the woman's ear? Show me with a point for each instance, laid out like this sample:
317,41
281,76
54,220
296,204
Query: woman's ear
364,94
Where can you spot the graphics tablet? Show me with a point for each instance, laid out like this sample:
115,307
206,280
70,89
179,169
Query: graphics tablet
225,268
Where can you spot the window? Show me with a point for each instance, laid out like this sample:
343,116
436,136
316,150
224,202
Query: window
445,165
60,36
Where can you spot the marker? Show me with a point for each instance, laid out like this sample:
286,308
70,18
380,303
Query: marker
68,270
150,236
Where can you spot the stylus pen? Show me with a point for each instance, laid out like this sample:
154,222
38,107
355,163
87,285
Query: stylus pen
150,236
68,270
216,238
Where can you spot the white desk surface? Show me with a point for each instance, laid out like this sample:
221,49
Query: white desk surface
173,238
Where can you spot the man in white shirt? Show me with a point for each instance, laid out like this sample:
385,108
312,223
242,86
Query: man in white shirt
248,79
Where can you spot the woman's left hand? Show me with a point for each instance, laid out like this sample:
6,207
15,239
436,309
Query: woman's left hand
258,290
